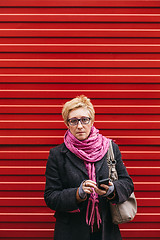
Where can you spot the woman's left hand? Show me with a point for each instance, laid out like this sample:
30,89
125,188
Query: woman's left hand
102,192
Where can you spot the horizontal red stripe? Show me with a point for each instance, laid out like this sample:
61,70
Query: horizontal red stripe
80,48
71,3
72,93
79,42
27,217
88,72
18,78
119,109
139,225
86,12
146,233
80,17
82,56
27,226
96,102
79,32
22,170
146,118
40,233
58,87
71,63
147,217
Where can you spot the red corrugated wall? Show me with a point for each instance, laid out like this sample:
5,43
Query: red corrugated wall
52,51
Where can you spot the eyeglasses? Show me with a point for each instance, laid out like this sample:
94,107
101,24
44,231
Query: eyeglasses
74,121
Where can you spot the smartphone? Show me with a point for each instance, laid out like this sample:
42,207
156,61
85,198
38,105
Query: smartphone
103,181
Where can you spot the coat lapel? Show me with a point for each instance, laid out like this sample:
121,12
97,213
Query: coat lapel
79,163
102,170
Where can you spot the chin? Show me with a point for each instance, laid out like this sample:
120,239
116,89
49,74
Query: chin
81,138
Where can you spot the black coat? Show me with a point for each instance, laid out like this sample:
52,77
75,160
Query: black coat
64,174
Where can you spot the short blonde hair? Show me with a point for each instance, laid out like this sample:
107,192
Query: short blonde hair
78,102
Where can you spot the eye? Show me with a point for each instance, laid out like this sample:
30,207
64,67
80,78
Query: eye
85,120
73,121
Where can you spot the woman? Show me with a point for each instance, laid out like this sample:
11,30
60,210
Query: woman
72,173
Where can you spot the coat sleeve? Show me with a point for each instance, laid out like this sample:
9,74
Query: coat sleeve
56,196
124,185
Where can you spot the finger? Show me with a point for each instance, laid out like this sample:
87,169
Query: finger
110,183
89,184
90,181
100,192
88,190
105,187
85,184
87,187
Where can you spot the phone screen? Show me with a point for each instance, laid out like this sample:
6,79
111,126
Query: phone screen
103,181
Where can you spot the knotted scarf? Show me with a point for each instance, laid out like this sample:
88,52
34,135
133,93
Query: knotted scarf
90,150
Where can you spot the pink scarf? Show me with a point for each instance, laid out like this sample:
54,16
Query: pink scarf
90,150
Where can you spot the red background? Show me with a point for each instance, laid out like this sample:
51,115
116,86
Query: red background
52,51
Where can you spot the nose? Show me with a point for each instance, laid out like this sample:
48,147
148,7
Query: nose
79,124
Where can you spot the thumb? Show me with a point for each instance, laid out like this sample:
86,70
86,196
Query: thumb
110,183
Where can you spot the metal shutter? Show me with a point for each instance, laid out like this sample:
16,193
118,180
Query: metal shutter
52,51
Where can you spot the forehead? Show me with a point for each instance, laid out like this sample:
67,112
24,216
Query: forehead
78,113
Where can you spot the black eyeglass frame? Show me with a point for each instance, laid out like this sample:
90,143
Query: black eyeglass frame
79,120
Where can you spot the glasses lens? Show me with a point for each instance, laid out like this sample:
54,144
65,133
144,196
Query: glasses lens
85,120
73,121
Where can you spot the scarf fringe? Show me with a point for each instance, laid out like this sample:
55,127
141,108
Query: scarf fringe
94,210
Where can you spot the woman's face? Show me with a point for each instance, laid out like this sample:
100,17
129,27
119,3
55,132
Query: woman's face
80,131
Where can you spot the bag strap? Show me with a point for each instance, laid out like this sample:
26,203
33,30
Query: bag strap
111,163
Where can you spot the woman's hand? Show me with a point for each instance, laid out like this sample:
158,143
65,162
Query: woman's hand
88,186
85,188
103,192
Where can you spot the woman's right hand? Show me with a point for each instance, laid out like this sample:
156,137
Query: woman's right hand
85,188
88,186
